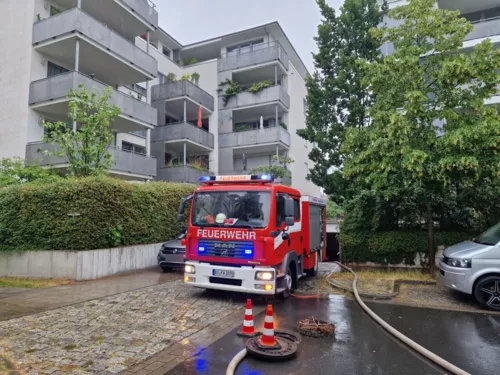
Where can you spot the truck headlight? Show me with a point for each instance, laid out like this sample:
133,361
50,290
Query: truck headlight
189,268
459,263
264,275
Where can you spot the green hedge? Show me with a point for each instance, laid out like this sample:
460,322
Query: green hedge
110,212
391,247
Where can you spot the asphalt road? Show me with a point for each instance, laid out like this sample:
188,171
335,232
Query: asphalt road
468,340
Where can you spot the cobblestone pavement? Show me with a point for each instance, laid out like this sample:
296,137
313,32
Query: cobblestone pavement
109,335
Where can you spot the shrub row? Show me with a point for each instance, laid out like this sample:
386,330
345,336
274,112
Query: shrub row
90,213
392,247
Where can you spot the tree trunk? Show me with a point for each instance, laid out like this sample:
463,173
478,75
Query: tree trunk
431,241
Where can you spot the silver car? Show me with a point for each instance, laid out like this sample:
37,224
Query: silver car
172,254
473,267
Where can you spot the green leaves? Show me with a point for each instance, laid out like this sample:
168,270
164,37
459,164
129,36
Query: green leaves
338,96
88,213
85,149
277,169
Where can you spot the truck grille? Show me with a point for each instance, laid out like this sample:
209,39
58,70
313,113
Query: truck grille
226,249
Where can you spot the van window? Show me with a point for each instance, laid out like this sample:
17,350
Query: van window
490,237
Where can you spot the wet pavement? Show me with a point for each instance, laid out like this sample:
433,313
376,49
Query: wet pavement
15,303
468,340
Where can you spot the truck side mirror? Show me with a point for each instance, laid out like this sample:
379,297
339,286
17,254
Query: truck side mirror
182,206
289,221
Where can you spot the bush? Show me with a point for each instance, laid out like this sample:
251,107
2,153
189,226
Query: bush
88,213
392,247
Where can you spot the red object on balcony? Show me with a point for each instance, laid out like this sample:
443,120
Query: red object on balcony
200,113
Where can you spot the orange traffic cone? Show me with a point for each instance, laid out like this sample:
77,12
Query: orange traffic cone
248,329
267,338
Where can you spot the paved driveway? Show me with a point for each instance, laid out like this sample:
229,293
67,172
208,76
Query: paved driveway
469,340
110,334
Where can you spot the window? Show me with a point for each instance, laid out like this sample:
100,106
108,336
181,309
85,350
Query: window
54,11
244,47
280,211
166,51
133,148
248,207
138,89
296,209
54,69
139,133
161,78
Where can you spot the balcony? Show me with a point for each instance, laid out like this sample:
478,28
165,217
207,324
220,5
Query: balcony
484,29
185,174
104,53
270,95
176,93
49,96
126,163
130,18
200,140
267,140
260,55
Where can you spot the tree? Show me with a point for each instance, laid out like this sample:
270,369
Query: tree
432,139
277,168
338,98
86,149
14,172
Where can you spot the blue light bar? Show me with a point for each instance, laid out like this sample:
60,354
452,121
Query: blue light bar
248,252
237,178
201,249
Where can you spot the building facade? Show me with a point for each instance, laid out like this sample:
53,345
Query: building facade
222,106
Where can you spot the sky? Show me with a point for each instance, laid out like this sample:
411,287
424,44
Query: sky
190,21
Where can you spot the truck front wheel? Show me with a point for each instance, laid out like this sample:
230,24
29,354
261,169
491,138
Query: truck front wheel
288,281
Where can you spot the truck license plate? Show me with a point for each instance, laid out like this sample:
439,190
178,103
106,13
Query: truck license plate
223,273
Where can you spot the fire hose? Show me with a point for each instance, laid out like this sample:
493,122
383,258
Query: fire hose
412,344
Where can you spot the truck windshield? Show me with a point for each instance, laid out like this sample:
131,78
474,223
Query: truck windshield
490,237
231,209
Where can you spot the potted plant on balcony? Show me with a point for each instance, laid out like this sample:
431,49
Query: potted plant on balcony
171,77
195,78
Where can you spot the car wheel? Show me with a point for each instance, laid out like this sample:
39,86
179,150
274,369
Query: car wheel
314,271
487,292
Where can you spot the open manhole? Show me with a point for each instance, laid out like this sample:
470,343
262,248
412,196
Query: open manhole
315,327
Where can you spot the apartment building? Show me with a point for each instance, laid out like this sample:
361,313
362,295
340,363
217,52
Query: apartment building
484,16
177,120
53,46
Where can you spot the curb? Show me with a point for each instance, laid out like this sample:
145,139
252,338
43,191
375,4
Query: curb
382,296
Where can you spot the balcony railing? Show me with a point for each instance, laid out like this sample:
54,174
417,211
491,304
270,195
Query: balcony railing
58,87
265,96
181,132
266,136
260,54
77,20
125,161
181,89
484,29
181,174
143,9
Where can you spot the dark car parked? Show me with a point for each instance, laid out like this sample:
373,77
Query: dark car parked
172,254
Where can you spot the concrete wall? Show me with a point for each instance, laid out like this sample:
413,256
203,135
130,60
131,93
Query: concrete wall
78,265
299,148
17,20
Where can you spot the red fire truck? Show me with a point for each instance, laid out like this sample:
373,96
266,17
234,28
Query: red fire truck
247,234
